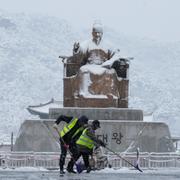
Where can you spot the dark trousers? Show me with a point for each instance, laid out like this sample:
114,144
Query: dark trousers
62,155
76,156
72,150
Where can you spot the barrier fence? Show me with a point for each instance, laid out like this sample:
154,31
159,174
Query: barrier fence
50,160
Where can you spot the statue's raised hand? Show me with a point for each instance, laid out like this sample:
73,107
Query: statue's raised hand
76,47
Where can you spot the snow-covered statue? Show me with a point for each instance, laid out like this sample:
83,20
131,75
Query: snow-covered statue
96,75
94,51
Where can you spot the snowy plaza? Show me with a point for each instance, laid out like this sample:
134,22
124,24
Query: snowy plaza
106,174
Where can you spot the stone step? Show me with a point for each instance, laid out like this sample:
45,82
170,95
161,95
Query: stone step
98,113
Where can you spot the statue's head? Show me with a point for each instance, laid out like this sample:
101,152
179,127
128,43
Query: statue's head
97,32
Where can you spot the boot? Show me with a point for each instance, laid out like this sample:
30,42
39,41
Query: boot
62,172
71,171
70,168
88,169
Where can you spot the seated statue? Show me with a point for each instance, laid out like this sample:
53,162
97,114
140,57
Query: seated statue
97,82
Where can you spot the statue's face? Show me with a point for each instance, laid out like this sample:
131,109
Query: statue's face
97,36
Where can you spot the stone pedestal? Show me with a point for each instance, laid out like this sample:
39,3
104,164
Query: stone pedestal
39,136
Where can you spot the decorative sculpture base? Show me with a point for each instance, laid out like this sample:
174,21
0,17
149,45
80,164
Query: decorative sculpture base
39,136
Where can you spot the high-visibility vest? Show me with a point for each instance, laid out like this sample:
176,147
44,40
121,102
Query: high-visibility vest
68,127
85,140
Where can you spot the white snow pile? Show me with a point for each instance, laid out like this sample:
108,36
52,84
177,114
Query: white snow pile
93,68
31,73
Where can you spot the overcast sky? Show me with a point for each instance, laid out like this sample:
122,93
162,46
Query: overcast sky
156,19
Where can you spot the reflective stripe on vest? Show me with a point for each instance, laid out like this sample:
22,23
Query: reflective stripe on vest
85,140
81,129
68,127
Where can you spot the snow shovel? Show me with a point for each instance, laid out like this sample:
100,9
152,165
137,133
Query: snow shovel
135,166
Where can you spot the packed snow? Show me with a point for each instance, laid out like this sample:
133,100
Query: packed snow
107,173
31,72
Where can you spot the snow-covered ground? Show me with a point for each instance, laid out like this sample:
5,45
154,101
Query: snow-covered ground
123,174
31,73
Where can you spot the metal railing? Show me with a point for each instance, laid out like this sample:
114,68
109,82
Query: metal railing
50,160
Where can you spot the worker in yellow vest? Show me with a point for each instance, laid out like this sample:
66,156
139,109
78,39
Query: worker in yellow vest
85,145
69,135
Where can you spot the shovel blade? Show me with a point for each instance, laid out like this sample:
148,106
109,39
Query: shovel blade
137,167
80,167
